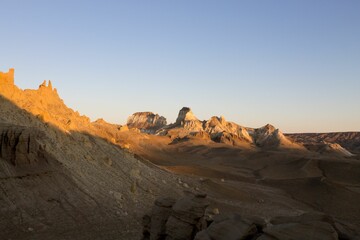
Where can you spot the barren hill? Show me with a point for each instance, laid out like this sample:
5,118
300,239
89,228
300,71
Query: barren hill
349,140
61,175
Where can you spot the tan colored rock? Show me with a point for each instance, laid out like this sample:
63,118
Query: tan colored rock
124,128
146,121
186,114
7,78
270,137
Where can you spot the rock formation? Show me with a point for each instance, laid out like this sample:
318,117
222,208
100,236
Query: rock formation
62,175
350,141
230,227
187,120
146,121
186,219
227,132
7,85
176,220
324,147
188,126
185,114
21,146
7,78
268,136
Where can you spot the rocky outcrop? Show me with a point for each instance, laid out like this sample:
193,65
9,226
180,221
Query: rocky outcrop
298,231
159,215
229,227
187,120
185,114
146,121
176,220
188,219
227,132
20,146
350,141
43,103
219,130
269,137
7,78
7,86
328,148
229,138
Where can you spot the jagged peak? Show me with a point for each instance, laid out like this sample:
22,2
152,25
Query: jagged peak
221,120
269,127
185,114
46,84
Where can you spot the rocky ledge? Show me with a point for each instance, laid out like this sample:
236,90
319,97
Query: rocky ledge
190,218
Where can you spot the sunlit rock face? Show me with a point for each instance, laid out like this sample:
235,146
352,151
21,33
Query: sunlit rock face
7,78
188,121
268,136
216,129
7,87
146,121
185,114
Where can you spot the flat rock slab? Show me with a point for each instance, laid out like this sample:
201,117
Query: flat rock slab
300,231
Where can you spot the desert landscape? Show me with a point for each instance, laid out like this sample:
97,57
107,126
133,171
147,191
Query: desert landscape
180,120
65,177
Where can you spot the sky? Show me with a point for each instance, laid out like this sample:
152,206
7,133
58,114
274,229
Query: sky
294,64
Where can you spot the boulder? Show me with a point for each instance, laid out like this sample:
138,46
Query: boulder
179,220
159,215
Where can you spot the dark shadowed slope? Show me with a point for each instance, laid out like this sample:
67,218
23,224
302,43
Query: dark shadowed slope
63,178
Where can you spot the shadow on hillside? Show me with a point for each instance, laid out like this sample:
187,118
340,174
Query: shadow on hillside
89,188
75,185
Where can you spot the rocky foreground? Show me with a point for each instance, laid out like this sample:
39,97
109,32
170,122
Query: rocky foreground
190,218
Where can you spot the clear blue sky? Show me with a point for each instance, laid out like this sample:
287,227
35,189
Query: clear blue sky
295,64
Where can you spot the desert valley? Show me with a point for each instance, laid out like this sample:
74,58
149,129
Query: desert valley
65,177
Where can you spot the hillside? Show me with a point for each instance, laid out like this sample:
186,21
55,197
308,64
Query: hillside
65,177
62,175
348,140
